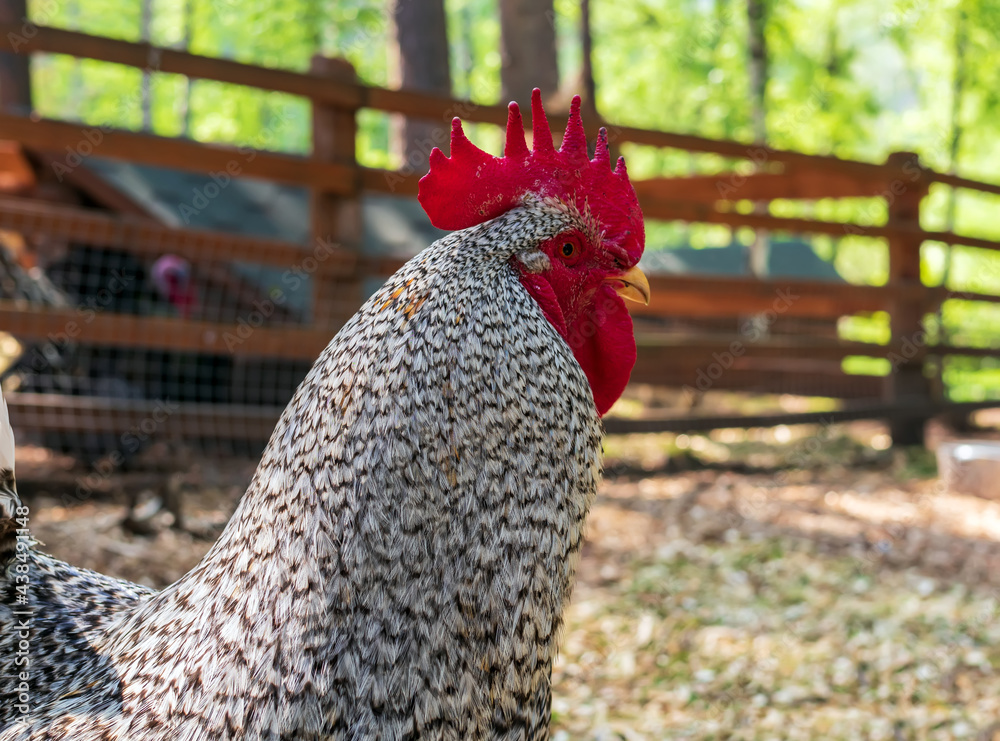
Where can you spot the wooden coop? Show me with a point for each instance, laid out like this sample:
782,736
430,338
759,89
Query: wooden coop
275,251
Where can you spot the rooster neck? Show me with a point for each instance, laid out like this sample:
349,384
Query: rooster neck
409,538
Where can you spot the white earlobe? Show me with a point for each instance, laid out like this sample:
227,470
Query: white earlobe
534,261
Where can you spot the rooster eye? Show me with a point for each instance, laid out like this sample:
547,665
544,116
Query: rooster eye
568,249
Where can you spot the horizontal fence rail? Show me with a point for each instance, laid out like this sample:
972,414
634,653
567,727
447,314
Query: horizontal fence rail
670,352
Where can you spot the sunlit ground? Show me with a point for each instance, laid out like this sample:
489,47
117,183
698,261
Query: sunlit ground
846,597
694,619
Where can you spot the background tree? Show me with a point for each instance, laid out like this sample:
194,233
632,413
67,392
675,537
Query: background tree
15,80
588,83
757,68
422,45
527,49
146,19
847,77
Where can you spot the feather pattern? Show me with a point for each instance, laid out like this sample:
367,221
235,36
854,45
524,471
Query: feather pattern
399,565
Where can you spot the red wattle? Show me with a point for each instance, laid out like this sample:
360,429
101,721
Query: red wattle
602,339
541,290
603,343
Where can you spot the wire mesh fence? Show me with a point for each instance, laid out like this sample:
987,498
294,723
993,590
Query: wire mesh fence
165,289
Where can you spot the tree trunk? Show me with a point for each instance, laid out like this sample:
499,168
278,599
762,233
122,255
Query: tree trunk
145,21
587,68
422,47
15,79
466,50
834,68
957,422
527,49
957,94
184,100
757,51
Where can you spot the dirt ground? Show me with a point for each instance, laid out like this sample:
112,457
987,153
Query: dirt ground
783,584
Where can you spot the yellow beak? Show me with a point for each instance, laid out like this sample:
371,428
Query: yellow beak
632,286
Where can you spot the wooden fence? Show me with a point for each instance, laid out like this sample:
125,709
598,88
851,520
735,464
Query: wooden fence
804,364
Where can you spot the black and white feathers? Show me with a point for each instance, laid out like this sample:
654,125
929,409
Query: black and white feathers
399,565
51,613
9,502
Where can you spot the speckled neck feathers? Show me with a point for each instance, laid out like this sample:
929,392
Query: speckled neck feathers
399,565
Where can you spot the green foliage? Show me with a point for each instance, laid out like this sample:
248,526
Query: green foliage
474,34
846,77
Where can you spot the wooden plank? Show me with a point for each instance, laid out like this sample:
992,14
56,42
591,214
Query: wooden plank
152,239
665,347
761,155
760,186
163,333
688,296
56,413
667,344
418,105
938,294
16,173
438,107
831,383
907,386
187,421
964,351
676,210
654,207
79,141
960,239
334,216
159,59
956,181
408,103
877,410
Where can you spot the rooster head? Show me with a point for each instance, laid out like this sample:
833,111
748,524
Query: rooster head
590,267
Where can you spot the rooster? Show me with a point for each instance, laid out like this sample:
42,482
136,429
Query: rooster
399,564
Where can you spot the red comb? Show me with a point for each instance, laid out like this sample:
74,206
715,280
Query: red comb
471,186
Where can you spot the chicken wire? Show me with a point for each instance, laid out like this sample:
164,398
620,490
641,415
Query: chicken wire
98,401
95,400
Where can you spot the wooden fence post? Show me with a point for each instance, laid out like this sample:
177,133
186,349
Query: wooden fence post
15,78
335,219
906,386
